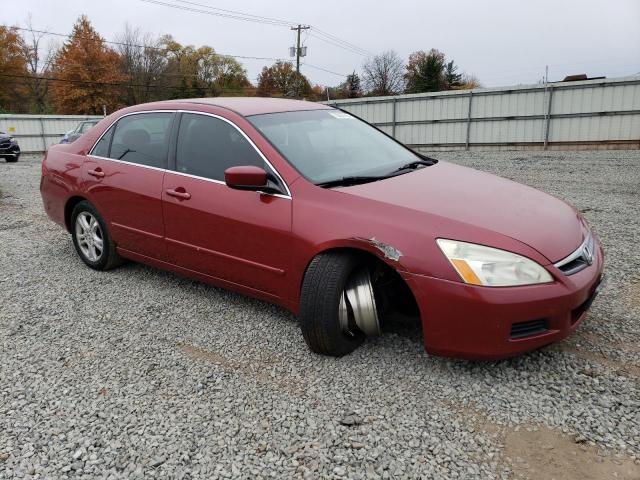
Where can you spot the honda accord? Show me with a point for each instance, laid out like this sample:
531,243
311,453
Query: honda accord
313,209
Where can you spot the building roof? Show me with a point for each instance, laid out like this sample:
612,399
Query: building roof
256,105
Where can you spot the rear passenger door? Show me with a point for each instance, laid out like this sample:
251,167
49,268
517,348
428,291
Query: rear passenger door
123,178
239,236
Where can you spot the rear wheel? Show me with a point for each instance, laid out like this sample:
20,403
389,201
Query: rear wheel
91,238
337,304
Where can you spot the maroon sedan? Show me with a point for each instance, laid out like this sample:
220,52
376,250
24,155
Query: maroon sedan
313,209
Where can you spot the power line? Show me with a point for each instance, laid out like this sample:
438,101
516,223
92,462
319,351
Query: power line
123,44
249,16
220,13
330,42
112,84
342,42
324,69
237,15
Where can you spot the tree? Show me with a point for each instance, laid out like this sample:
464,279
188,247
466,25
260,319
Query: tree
87,72
281,79
468,82
352,86
201,72
452,78
382,74
38,59
425,72
13,70
143,62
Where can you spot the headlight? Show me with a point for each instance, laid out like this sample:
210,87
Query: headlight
491,267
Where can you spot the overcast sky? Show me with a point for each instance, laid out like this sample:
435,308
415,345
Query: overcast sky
502,42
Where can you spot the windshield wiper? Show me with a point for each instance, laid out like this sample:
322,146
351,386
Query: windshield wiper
359,179
427,162
351,180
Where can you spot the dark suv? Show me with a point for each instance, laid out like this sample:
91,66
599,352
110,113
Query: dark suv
9,149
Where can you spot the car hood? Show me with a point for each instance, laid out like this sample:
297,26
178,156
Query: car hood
545,223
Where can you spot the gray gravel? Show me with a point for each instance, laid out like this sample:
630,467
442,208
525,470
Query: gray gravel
138,372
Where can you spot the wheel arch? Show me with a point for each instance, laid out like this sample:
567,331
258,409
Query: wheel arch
373,256
68,209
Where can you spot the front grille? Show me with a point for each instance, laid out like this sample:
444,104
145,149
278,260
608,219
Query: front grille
580,259
5,144
528,329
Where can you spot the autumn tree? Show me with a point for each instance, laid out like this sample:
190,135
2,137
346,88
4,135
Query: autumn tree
382,74
469,82
87,72
281,79
13,71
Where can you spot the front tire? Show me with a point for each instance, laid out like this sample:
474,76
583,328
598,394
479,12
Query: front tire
322,290
91,238
12,159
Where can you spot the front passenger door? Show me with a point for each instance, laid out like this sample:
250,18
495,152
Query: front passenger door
242,237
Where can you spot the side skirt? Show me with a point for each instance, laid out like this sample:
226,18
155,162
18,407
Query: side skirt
218,282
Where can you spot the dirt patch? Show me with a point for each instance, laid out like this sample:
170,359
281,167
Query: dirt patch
600,357
262,368
633,295
547,454
595,340
538,452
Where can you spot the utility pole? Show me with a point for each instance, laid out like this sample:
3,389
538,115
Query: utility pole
298,49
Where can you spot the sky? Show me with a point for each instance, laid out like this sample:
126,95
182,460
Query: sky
501,42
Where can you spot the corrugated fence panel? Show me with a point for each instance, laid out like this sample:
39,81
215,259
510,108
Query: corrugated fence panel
36,133
594,113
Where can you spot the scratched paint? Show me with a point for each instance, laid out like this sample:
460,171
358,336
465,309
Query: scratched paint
388,251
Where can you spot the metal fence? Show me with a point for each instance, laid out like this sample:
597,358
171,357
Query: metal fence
576,115
35,133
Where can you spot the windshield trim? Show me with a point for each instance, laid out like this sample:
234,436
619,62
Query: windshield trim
284,157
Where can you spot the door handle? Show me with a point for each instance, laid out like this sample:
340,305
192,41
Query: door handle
98,173
178,194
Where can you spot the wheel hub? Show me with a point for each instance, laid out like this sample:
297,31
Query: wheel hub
358,305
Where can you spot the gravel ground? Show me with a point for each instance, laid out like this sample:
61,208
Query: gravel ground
139,373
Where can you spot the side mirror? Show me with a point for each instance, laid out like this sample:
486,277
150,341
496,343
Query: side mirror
248,178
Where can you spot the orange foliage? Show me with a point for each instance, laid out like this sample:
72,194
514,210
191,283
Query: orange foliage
13,66
89,74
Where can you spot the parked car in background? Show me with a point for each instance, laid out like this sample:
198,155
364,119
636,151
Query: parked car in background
313,209
9,148
72,135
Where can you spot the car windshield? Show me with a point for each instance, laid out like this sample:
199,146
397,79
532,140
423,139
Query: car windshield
328,145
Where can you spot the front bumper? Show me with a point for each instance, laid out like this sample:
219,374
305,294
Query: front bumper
472,322
13,150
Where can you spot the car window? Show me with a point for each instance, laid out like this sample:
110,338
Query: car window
102,147
207,146
142,138
86,126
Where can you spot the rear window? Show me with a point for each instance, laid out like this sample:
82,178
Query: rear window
102,147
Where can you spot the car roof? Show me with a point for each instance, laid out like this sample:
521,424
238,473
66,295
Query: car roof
256,105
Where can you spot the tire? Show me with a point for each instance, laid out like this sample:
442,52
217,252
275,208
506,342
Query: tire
108,257
11,159
322,288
